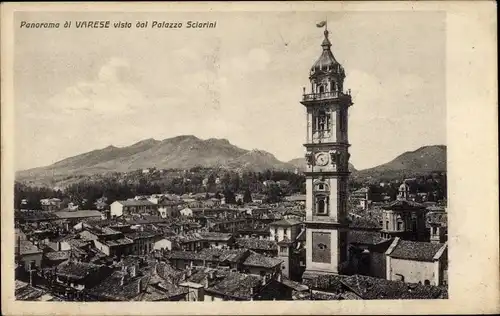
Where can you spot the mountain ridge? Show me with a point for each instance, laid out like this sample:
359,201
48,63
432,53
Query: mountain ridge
188,151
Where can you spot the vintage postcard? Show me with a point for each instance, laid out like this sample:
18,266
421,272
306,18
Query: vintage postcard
249,158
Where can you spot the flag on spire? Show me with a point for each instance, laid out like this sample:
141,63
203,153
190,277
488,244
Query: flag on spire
321,24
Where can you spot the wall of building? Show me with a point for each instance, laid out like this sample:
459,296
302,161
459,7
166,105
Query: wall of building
378,264
102,247
412,271
116,209
28,258
163,244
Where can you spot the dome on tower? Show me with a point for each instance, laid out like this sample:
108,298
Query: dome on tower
326,63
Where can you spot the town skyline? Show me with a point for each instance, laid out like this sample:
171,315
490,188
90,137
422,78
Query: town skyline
247,92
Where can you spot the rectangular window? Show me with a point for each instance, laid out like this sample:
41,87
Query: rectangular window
285,231
282,249
386,224
400,226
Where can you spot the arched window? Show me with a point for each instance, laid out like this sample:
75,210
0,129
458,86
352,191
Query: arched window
427,282
321,206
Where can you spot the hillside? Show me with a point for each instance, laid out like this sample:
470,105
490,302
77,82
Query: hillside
422,161
187,151
181,152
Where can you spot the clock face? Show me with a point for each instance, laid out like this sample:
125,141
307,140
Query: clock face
322,159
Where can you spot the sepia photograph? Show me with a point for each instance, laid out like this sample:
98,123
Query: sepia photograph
212,156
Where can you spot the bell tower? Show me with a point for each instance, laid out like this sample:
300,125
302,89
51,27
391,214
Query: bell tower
327,171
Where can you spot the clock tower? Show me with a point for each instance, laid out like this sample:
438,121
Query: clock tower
327,158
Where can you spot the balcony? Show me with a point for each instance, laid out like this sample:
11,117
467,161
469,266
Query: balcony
326,95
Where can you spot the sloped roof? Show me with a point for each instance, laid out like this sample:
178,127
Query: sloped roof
258,260
136,203
415,250
365,237
26,247
370,288
77,270
78,214
286,222
257,244
236,285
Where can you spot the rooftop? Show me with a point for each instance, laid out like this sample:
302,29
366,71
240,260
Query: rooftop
258,260
365,237
286,222
415,250
257,244
78,214
369,288
237,285
77,270
136,203
27,247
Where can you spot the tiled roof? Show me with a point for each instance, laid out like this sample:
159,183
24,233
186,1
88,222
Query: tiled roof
370,288
220,255
34,215
414,250
294,285
136,203
28,292
257,244
116,242
365,237
140,235
77,270
286,222
325,282
112,289
364,222
58,255
236,285
26,247
258,260
214,236
78,214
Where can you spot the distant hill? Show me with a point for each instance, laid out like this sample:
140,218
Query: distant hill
181,152
422,161
187,151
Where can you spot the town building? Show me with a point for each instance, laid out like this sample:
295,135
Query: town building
417,262
129,207
404,218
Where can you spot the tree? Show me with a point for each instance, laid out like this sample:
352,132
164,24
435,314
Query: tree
229,196
247,197
273,194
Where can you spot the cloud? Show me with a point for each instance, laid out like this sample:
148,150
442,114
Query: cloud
107,94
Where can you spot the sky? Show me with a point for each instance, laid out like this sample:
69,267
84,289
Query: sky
77,90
